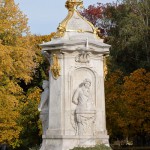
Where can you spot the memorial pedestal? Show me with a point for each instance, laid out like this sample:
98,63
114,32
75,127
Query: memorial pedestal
76,102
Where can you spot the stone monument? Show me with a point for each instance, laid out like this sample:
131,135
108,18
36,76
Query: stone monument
73,104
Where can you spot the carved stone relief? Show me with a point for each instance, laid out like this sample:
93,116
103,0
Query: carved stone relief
85,123
83,57
85,110
43,106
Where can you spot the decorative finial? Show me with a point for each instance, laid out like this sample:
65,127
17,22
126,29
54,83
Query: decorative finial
73,4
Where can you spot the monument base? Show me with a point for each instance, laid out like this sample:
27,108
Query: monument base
58,142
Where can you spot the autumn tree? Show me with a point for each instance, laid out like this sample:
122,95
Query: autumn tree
136,97
16,63
100,16
130,37
115,106
128,106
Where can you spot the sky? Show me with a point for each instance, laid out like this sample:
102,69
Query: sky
45,15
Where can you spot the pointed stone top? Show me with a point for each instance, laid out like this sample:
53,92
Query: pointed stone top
75,33
75,25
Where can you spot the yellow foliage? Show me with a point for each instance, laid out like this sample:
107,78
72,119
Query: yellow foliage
115,109
128,102
16,64
20,55
9,130
137,96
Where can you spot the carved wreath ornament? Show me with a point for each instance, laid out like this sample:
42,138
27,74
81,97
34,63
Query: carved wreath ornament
55,67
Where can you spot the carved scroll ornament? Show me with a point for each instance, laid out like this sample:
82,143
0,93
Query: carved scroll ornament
83,57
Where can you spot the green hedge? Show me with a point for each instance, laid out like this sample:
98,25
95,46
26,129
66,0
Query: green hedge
97,147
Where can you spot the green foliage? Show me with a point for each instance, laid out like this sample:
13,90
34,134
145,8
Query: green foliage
127,29
130,37
29,119
97,147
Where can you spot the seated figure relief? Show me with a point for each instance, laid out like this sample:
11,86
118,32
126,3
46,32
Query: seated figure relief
85,112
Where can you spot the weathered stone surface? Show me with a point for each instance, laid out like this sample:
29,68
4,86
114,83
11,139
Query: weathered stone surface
76,104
